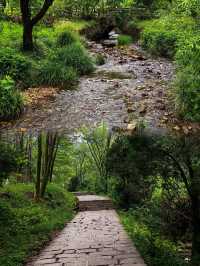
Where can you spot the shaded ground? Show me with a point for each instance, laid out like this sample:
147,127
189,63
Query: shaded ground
128,88
93,238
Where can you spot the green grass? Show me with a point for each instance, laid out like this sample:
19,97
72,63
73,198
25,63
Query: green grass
155,250
74,25
124,40
10,35
25,226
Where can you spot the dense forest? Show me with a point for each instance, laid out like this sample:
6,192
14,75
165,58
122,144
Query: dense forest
103,97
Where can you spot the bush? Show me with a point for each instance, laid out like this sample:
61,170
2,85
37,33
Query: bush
11,101
125,40
160,43
155,250
75,56
17,66
163,36
188,79
66,38
133,183
56,75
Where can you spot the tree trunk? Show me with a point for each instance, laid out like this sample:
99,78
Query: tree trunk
196,231
39,164
28,37
29,23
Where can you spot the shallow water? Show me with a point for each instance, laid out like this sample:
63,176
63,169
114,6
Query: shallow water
129,87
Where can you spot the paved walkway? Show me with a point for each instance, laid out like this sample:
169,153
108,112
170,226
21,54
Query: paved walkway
92,238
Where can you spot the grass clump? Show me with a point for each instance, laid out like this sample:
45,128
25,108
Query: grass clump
26,225
124,40
100,60
75,56
56,75
11,101
66,38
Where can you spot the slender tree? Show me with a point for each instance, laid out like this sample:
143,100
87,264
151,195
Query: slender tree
29,22
47,150
39,164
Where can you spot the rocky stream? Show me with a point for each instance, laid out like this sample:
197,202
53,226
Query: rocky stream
130,87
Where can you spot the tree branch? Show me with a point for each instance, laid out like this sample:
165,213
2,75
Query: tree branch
181,172
42,12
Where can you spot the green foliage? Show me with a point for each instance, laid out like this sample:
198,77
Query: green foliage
45,65
66,38
188,7
124,40
56,75
156,251
26,225
72,25
10,35
16,66
11,101
74,56
100,60
188,79
159,42
8,161
163,36
125,161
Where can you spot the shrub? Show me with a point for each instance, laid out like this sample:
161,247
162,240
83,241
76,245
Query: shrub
100,60
75,56
125,40
155,250
163,36
17,66
188,79
55,74
11,101
159,42
66,38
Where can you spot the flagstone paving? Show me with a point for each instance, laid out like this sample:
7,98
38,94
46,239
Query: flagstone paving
92,238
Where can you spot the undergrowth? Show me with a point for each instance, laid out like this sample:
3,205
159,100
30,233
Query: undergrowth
25,226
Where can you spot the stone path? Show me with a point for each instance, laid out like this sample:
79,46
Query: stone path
92,238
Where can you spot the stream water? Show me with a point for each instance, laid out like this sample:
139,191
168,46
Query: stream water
129,87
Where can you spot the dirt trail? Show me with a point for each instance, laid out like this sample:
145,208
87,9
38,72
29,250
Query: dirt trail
128,88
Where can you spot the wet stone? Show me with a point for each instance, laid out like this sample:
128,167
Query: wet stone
97,96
